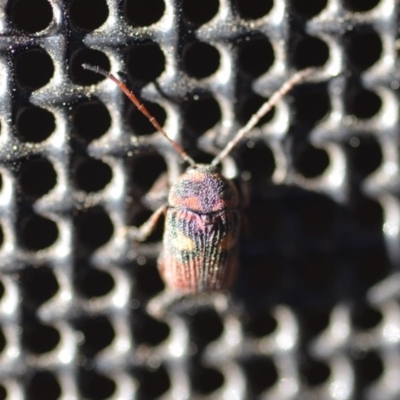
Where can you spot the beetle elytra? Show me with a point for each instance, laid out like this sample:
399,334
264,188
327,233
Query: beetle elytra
203,216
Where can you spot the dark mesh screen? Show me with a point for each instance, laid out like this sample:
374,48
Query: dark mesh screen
314,313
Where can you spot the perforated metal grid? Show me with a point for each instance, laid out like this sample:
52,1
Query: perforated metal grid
315,312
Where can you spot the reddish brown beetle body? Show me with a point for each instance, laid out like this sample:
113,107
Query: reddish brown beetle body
202,215
201,232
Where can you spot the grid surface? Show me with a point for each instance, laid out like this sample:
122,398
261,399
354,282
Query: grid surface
315,311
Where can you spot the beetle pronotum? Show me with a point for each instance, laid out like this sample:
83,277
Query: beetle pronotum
203,215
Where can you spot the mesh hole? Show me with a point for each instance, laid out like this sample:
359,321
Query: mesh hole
30,16
263,274
258,159
371,265
368,214
3,340
92,282
148,280
261,374
3,393
310,52
92,175
39,285
308,9
34,124
253,9
318,271
200,156
201,60
361,5
37,177
146,170
1,242
37,232
315,321
95,386
206,326
199,12
364,317
82,76
364,48
309,161
206,380
261,324
43,385
201,113
91,120
249,106
145,63
153,383
33,69
311,103
94,228
363,103
98,332
317,217
369,368
149,331
144,12
315,372
88,15
40,339
140,123
256,56
365,155
263,218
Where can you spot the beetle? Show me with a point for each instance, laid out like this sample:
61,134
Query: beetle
203,216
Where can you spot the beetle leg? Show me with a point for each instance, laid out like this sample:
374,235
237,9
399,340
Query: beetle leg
172,302
141,233
158,306
158,193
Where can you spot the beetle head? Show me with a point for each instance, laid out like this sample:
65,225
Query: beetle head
203,189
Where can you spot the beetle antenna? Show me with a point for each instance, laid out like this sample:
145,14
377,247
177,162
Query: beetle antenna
297,78
141,107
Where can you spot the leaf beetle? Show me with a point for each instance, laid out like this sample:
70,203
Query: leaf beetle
203,215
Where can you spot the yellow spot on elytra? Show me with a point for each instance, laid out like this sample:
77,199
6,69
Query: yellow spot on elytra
182,242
